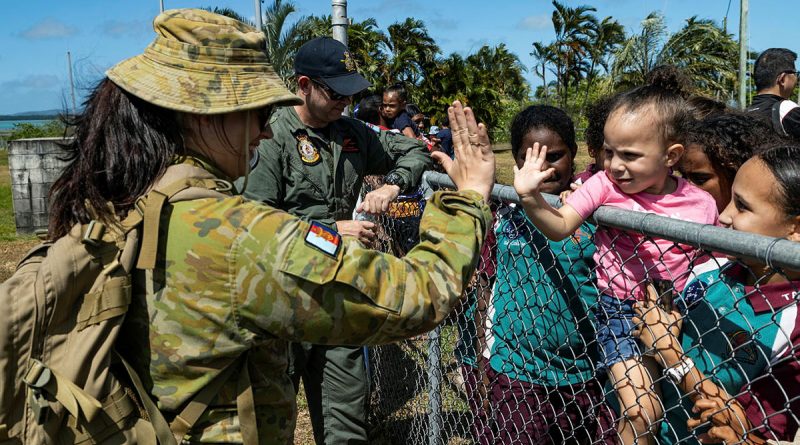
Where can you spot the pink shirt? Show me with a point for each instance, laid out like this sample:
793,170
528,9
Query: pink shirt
624,259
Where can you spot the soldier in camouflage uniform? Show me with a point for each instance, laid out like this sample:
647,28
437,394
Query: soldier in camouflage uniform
234,280
313,167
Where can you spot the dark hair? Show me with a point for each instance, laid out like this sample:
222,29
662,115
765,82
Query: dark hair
413,110
784,163
369,109
731,139
542,116
122,144
703,107
596,116
670,77
671,113
398,88
770,64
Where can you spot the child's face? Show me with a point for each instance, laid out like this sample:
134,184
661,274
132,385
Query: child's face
392,106
636,159
697,169
559,156
753,206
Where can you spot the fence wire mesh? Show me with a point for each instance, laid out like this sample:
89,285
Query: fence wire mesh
538,352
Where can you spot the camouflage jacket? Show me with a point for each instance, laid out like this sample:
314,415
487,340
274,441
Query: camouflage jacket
234,277
318,174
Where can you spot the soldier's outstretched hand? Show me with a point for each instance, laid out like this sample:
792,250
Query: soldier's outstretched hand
473,167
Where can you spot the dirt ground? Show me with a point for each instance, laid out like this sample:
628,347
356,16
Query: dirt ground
10,254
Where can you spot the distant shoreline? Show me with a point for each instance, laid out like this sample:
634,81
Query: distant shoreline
29,117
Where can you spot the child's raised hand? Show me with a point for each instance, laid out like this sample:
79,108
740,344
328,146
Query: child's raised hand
530,177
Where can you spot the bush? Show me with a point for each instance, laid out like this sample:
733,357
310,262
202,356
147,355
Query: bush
24,130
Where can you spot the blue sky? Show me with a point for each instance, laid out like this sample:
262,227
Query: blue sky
35,35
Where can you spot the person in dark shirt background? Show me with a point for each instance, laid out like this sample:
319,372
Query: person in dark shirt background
775,77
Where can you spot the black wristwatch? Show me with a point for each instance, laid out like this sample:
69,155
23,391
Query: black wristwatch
394,179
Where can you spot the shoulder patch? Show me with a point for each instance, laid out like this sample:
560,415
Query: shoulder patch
323,238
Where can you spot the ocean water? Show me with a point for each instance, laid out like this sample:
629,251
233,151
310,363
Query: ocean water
9,125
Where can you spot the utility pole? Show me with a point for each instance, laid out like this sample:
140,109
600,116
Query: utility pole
161,5
259,24
71,83
743,11
339,20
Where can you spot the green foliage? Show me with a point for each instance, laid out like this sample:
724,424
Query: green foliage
24,130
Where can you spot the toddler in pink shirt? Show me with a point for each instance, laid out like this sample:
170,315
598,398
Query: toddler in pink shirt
642,145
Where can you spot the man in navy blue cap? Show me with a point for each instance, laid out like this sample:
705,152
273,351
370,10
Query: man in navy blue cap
313,167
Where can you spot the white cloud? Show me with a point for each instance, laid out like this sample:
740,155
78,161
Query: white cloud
121,29
35,81
48,29
536,22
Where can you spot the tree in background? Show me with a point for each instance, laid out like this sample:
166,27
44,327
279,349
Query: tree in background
640,52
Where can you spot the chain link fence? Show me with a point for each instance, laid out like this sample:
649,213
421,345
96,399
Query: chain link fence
517,361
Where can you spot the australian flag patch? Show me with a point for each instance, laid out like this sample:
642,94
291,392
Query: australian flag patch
323,238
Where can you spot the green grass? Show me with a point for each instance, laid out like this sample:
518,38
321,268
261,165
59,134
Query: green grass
8,229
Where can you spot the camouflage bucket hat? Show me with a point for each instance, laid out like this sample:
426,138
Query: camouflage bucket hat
203,63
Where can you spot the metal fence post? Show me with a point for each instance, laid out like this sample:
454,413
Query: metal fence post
434,386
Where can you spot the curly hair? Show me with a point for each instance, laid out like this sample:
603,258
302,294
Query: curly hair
672,78
596,115
542,116
731,139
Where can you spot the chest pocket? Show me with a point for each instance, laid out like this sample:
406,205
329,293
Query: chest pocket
353,168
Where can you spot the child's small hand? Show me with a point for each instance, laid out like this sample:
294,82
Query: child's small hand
729,422
565,194
530,177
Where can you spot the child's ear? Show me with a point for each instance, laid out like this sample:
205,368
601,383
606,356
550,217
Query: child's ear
674,153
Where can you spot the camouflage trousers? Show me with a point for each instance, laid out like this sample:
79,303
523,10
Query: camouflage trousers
335,383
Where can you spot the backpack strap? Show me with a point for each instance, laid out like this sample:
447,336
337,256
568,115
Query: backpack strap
777,119
174,432
160,425
150,207
76,401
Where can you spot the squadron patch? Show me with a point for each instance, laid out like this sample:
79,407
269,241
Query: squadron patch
308,152
323,238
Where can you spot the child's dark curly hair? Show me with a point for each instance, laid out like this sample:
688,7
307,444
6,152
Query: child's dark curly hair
596,116
542,116
731,139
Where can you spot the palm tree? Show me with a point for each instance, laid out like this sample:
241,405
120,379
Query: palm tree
283,42
544,55
608,35
575,29
640,52
410,51
706,53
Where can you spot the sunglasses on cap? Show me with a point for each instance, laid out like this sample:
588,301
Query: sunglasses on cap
332,95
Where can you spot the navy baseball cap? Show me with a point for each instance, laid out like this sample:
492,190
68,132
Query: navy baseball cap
328,61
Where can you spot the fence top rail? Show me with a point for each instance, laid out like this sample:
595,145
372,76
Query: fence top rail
772,251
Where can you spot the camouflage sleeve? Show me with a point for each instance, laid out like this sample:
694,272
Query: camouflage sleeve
290,289
265,182
407,157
